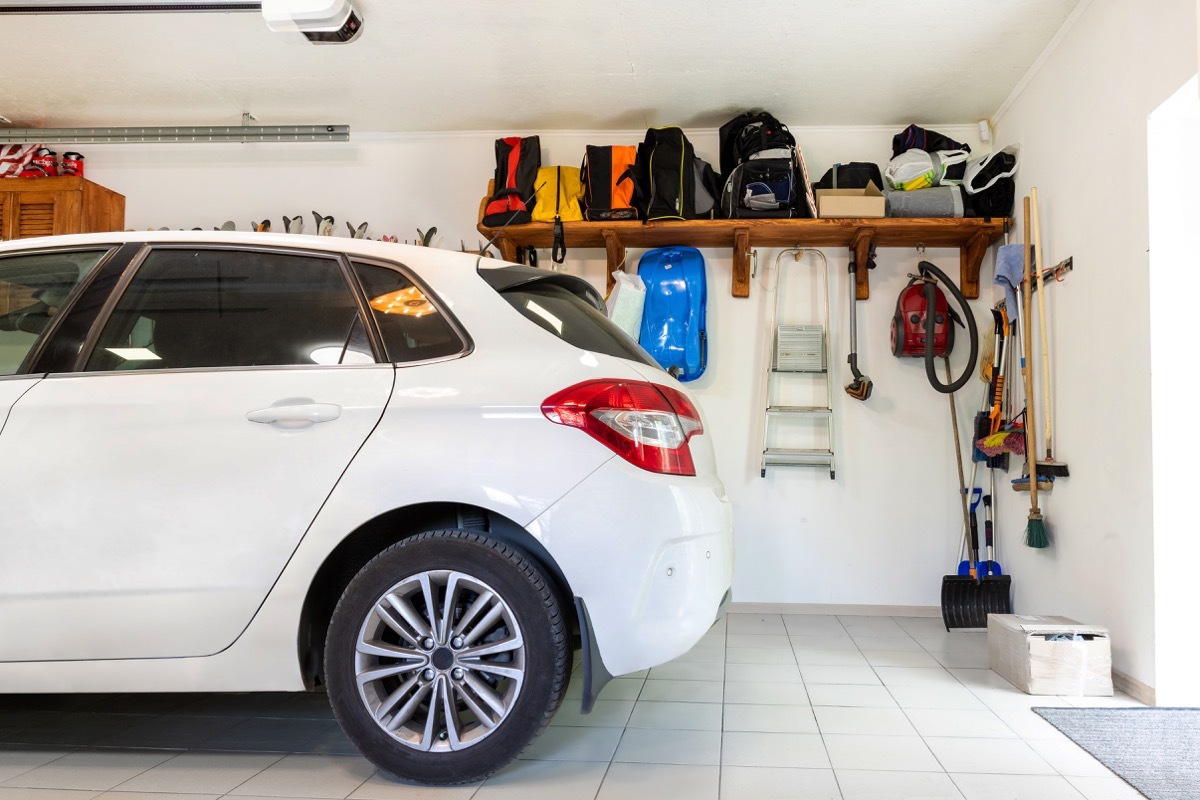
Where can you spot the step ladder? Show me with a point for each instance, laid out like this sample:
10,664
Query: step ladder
798,354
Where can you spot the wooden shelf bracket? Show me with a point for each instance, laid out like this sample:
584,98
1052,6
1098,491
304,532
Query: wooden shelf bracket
741,262
970,259
860,250
616,255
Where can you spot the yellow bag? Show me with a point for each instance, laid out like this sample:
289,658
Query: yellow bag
558,192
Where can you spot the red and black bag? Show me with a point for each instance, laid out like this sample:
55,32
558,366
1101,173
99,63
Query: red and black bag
517,162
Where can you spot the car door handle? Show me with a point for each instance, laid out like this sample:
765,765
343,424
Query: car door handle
296,415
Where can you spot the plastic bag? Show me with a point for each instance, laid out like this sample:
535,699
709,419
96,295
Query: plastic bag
626,301
918,169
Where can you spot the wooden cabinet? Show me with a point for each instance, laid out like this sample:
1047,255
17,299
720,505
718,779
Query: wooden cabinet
54,206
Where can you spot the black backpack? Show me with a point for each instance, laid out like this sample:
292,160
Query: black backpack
517,162
764,170
672,182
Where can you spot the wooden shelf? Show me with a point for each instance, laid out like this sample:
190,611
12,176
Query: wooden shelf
972,236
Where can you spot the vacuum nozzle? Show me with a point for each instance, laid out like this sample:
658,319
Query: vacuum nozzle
860,388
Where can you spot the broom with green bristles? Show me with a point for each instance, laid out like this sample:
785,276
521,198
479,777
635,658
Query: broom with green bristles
1035,532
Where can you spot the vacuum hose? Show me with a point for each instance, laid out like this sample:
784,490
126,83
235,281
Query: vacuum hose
925,268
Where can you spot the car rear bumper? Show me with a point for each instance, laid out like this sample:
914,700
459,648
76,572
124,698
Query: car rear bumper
650,555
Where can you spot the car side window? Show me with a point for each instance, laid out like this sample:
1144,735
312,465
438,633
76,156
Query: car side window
412,327
33,287
191,308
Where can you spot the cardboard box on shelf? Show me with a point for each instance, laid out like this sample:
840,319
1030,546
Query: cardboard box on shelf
853,203
1050,655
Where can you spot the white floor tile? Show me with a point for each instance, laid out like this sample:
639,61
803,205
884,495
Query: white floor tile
762,673
824,642
777,783
754,749
683,691
769,719
604,714
1071,760
1118,700
1028,724
899,642
896,785
309,776
871,626
46,794
544,780
616,689
959,722
1109,788
1015,787
926,696
383,786
200,772
858,676
904,753
658,746
703,652
681,716
689,671
121,795
999,756
761,655
97,770
921,626
811,657
756,623
563,743
863,721
759,693
641,781
916,676
812,625
736,641
858,696
967,641
16,762
960,659
900,658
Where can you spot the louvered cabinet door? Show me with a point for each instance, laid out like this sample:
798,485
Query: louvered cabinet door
43,213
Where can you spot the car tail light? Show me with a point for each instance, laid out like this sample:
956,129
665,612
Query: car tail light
646,424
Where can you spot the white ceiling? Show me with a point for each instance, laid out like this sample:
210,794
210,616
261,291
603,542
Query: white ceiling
440,65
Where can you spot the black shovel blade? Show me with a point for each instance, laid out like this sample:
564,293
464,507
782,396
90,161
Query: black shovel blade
967,602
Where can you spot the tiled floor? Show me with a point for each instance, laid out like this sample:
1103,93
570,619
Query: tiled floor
765,706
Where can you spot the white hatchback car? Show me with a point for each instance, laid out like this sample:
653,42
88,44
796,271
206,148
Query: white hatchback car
258,462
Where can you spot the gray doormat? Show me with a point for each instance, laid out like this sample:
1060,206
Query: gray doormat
1156,750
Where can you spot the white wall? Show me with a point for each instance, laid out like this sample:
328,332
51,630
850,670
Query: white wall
1081,124
1174,172
883,533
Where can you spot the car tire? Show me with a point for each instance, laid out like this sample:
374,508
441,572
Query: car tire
496,670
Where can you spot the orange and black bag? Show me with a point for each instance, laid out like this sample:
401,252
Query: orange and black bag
609,182
517,162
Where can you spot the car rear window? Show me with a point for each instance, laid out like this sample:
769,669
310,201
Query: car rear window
573,319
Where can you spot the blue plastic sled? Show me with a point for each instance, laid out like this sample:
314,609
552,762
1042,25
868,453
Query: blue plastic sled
673,326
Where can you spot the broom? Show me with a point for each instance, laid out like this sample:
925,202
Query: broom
1049,466
1035,532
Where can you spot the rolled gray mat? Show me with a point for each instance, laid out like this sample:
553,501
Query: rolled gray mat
938,201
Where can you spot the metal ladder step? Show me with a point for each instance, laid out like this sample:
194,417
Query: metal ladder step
799,371
810,411
793,457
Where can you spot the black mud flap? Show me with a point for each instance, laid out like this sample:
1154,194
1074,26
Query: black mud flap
595,675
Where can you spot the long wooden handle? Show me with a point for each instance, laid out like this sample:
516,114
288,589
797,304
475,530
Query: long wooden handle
1042,260
1030,416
